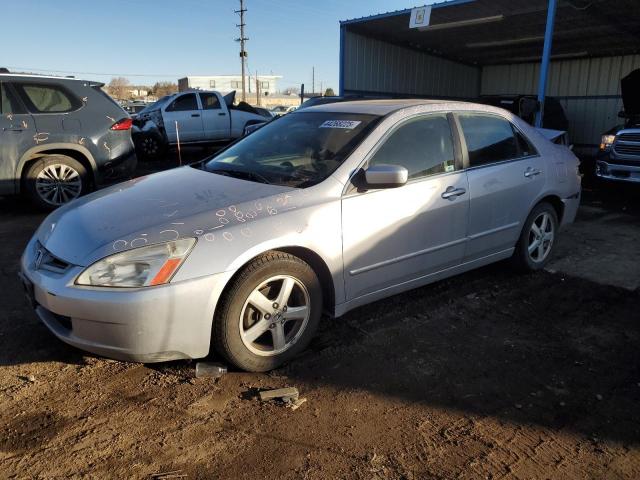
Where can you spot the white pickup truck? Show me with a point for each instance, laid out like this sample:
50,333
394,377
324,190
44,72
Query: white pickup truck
191,117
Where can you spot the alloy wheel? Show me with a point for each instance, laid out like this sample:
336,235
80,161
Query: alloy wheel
274,315
541,236
57,184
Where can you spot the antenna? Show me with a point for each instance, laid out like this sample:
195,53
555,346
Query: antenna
243,52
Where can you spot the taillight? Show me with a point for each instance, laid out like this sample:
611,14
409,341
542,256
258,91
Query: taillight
124,124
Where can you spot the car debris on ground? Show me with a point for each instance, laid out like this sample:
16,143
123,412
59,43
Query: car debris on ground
169,475
289,396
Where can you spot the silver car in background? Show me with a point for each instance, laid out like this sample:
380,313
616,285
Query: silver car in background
327,209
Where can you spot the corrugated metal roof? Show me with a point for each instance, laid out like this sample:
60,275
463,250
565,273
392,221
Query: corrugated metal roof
516,33
403,11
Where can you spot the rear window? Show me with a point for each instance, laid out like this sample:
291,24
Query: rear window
41,98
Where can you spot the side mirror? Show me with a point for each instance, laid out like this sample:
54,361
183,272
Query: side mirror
386,176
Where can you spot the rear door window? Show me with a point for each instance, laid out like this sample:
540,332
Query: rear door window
491,139
183,103
47,98
210,101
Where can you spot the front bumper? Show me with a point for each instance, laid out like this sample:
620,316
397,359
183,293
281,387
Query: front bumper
154,324
608,169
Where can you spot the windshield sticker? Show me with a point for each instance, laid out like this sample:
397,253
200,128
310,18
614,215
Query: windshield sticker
348,124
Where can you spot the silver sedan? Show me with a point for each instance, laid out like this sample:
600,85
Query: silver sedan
322,211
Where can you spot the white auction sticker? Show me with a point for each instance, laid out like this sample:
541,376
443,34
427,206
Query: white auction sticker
348,124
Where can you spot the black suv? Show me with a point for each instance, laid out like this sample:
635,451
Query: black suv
60,138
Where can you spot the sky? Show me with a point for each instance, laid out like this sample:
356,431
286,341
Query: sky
159,40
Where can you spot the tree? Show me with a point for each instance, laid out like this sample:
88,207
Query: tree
329,92
160,89
119,88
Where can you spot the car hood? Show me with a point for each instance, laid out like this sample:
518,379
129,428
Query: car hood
630,88
146,210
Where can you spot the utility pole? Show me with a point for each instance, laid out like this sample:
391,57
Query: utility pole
321,90
243,52
257,90
313,80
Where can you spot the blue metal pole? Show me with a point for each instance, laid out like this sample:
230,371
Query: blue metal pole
546,59
341,61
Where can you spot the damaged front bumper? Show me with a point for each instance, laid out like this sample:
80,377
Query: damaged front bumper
618,172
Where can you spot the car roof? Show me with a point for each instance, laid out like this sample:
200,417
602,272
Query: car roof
382,107
34,76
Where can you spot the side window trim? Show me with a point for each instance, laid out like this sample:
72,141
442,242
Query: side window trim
465,150
13,96
350,188
516,130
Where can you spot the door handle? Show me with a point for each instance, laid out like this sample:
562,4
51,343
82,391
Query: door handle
532,172
9,129
452,192
195,114
222,114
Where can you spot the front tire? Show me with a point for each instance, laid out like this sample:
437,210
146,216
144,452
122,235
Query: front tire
269,313
537,240
55,180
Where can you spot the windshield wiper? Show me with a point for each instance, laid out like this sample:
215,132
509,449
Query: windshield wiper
241,174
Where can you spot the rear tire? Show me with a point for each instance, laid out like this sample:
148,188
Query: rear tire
150,146
251,329
55,180
537,240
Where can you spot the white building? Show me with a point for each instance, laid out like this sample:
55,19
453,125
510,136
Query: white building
268,84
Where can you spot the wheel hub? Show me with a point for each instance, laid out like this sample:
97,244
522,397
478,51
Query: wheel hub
274,315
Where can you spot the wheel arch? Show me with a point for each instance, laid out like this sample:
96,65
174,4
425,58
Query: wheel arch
77,152
556,203
315,261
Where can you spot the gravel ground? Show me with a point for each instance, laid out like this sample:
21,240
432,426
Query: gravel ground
486,375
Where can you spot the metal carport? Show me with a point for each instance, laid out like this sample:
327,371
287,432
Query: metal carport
495,47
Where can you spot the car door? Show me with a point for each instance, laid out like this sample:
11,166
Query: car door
396,235
215,120
506,174
17,135
182,118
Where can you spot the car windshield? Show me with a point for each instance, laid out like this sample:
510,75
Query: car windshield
155,104
298,150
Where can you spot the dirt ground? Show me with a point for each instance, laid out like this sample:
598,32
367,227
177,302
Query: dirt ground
486,375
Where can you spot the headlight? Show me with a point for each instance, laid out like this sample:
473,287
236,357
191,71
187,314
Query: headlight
607,141
140,267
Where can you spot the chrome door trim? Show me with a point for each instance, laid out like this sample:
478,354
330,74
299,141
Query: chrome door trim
384,263
493,230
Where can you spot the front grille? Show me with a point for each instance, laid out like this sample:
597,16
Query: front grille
629,137
45,260
627,149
